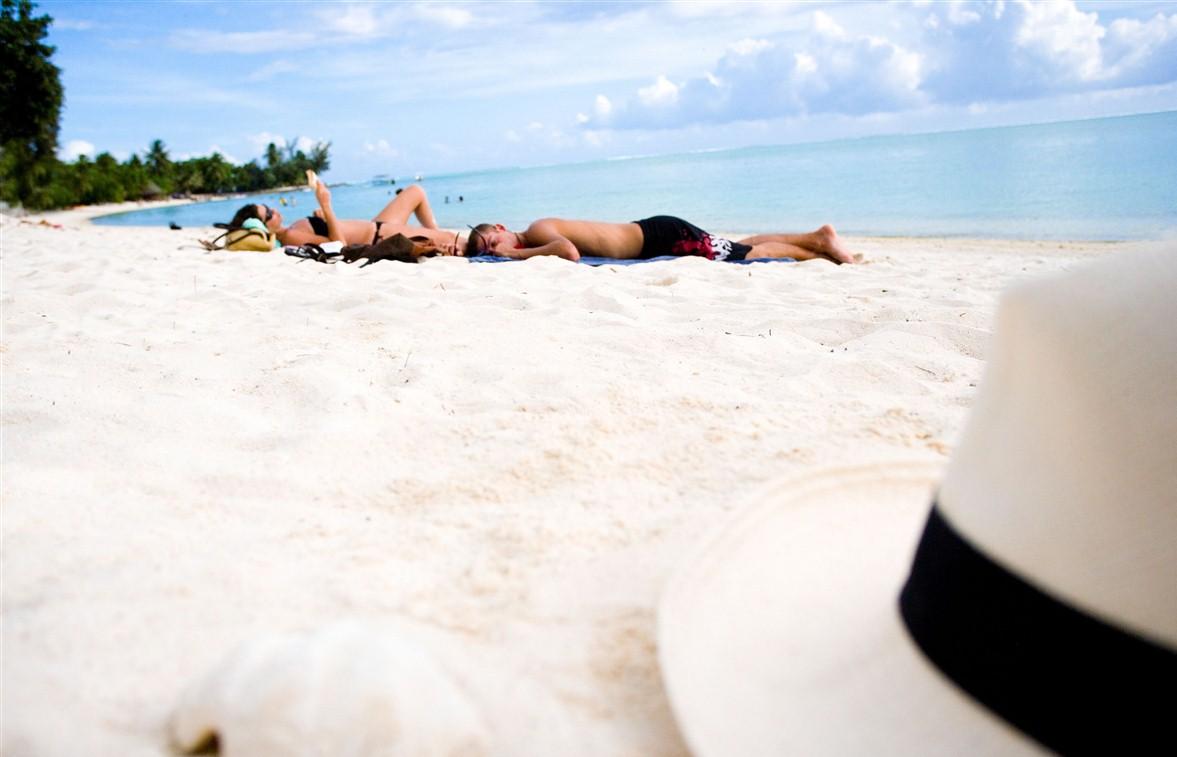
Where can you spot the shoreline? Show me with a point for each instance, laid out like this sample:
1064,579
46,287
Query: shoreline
84,216
88,213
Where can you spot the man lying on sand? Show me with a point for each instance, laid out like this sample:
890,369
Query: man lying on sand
323,226
648,238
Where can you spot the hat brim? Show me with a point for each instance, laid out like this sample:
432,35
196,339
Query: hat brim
782,634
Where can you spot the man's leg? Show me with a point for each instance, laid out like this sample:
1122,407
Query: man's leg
780,250
823,243
411,201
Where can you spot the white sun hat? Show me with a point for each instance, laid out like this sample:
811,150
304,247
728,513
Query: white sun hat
1040,611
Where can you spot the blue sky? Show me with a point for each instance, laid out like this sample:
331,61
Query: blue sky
441,87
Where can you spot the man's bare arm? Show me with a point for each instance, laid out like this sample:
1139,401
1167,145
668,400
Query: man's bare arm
548,241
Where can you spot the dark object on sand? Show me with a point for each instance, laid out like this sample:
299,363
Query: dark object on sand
397,247
174,226
311,251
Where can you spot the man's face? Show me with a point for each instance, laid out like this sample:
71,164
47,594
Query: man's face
495,241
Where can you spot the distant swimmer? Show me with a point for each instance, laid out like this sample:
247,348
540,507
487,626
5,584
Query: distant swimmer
649,238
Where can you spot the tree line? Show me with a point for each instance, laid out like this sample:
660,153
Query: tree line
31,175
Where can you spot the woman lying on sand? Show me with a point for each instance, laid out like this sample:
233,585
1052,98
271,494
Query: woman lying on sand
323,226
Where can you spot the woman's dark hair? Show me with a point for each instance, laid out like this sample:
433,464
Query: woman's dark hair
245,213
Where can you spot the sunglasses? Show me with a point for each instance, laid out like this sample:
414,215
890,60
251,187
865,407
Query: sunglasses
269,214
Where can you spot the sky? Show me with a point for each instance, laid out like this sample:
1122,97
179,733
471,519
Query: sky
410,88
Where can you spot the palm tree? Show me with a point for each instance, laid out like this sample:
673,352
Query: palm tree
273,155
158,160
319,160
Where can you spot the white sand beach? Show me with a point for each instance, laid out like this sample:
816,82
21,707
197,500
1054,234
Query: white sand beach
498,464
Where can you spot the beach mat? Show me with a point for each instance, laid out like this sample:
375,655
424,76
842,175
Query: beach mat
629,261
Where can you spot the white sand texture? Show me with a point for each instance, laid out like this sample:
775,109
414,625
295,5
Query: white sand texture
420,509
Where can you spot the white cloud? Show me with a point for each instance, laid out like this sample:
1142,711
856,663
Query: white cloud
833,72
661,92
268,41
535,126
703,8
350,20
75,148
602,107
582,118
1142,52
750,46
381,148
962,53
1065,39
512,136
1037,49
804,63
959,14
825,25
272,69
79,25
445,15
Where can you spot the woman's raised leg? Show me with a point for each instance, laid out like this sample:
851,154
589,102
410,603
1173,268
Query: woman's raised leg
411,201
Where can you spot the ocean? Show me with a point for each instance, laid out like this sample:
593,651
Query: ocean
1107,178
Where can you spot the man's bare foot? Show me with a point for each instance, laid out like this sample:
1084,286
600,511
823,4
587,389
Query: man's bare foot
830,245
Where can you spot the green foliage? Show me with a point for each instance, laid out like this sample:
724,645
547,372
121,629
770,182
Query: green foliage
213,174
55,184
31,175
30,102
30,85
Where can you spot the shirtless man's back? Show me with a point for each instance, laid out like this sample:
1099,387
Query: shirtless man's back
647,238
592,238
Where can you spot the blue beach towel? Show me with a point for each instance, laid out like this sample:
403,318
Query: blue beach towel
629,261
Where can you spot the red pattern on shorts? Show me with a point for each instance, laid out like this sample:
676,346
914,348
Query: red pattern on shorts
701,247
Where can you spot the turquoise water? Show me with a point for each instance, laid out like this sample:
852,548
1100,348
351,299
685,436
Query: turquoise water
1110,178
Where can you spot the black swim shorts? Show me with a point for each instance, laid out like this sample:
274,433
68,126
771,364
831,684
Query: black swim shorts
667,235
